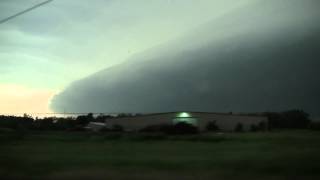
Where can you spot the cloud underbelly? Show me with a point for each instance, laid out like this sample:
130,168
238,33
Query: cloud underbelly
254,70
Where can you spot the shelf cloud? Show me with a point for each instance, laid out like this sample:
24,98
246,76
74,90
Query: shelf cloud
261,57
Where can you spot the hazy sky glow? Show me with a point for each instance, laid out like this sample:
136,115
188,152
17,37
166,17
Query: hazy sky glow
19,99
45,51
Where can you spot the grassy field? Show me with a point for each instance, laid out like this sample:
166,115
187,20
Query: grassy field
52,155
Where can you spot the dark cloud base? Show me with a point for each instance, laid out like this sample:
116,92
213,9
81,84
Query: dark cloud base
260,76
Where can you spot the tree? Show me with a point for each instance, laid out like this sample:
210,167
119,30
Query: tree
14,122
239,127
163,128
84,120
315,126
117,128
184,128
297,119
212,126
64,123
254,128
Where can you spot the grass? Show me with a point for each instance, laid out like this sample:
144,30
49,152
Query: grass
58,155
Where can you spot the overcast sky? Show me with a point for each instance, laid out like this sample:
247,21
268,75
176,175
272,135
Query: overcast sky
49,50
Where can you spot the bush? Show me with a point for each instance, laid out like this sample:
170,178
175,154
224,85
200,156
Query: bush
64,123
117,128
78,128
315,126
183,128
113,136
6,130
105,129
254,128
43,124
212,126
179,128
263,126
294,119
239,127
15,122
84,120
157,128
149,137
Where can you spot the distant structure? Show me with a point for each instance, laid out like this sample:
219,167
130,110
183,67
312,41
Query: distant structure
95,126
225,122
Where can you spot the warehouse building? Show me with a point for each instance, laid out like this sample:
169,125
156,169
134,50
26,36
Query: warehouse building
95,126
225,121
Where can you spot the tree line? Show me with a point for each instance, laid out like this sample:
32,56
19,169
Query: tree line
292,119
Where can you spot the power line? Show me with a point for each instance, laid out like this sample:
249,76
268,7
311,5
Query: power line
24,11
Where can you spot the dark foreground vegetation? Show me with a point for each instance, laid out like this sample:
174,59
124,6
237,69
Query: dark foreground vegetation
59,148
278,155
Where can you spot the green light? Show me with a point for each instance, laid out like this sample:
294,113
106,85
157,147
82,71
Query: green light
184,115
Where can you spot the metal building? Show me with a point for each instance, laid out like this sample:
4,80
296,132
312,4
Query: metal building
225,122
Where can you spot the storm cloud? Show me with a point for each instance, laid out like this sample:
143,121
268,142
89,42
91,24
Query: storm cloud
87,36
261,57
